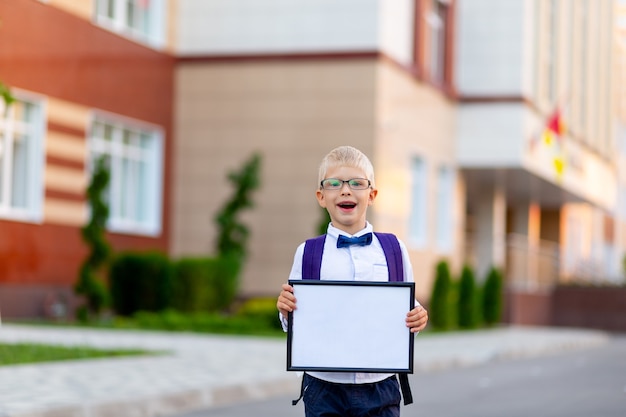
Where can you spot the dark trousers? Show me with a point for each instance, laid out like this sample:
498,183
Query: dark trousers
327,399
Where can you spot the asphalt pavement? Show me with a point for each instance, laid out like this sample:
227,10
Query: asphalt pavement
196,371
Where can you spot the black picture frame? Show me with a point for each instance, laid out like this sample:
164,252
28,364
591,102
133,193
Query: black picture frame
351,326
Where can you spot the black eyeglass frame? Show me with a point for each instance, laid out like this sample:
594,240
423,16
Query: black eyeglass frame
369,184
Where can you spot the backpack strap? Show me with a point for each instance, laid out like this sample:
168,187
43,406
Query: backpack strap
312,257
393,255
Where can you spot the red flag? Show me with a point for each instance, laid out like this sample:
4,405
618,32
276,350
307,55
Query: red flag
555,123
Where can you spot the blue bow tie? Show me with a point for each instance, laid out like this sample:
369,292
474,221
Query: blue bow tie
345,241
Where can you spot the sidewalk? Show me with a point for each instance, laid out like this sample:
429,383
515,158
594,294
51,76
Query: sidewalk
201,371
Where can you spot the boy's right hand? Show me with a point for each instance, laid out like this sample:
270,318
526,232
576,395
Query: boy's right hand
286,300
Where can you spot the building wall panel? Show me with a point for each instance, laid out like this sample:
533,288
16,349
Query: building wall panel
234,27
68,147
81,8
396,31
78,67
64,211
489,51
292,112
413,120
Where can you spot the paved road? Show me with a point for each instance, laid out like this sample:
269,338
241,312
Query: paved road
203,371
582,383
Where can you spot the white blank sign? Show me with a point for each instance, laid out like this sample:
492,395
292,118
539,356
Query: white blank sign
350,326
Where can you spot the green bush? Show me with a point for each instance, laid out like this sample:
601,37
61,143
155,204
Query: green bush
205,284
226,280
261,310
492,297
192,286
140,282
232,236
322,226
441,309
468,313
90,284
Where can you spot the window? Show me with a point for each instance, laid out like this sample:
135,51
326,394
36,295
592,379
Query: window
22,127
142,20
419,188
552,46
583,27
133,154
437,21
445,212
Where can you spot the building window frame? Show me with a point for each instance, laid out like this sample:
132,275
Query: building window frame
133,152
437,25
22,157
140,20
445,213
418,217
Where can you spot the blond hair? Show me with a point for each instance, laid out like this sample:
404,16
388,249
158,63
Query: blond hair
349,157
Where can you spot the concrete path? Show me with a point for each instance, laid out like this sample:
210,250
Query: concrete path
200,371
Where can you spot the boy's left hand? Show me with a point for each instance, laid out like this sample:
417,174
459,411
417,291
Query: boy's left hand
417,319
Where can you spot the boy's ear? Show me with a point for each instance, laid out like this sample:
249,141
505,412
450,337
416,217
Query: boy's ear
320,198
372,197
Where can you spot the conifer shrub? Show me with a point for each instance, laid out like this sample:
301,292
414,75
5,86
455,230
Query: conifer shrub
468,310
90,282
232,234
441,310
492,300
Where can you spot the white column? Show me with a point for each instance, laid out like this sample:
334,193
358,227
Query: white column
526,244
490,235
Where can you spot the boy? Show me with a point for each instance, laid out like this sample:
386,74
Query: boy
346,190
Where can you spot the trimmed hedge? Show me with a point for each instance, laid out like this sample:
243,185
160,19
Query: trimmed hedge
204,284
140,282
150,282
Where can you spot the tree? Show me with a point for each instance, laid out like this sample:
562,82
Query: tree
322,226
6,95
89,282
441,316
469,307
492,297
233,235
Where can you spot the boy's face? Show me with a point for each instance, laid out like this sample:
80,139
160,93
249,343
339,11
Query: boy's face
347,207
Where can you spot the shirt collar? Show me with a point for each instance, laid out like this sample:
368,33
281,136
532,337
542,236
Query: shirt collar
334,232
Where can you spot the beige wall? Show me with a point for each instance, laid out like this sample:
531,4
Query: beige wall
81,8
69,178
171,37
293,112
414,119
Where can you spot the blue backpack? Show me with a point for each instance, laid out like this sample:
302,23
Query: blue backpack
312,262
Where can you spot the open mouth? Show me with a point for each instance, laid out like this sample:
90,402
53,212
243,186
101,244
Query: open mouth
347,205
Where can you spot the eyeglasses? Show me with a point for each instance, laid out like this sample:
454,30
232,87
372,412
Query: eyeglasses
337,184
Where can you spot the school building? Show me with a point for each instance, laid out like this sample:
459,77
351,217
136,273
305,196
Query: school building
494,128
90,79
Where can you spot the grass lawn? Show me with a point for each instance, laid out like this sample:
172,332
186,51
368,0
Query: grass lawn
21,353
